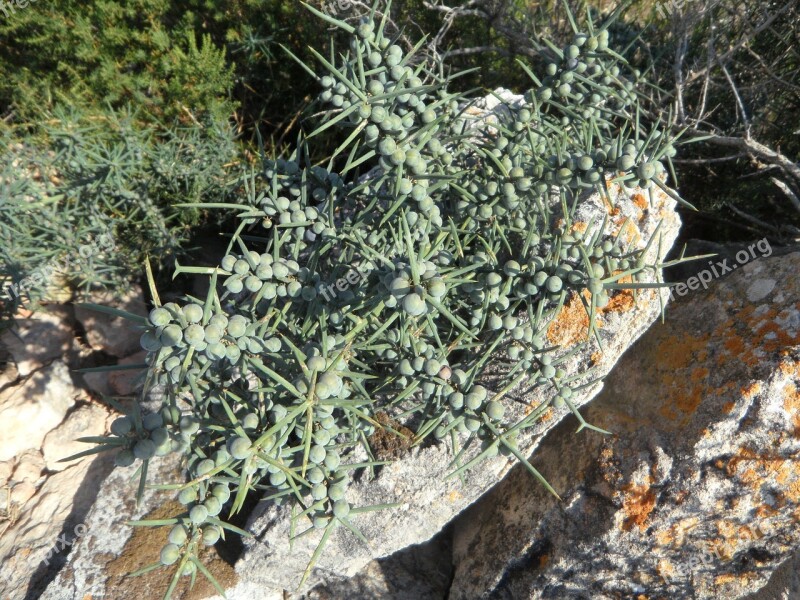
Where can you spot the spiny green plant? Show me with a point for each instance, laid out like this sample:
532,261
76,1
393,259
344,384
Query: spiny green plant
461,231
101,175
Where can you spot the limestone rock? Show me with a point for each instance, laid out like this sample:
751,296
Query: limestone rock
40,338
128,382
30,410
42,533
114,335
29,467
91,560
124,382
6,468
87,420
414,573
417,481
697,492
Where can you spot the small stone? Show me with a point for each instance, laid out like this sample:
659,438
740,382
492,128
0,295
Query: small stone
126,383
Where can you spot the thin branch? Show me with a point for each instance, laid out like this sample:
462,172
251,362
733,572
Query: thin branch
476,50
795,201
739,101
756,149
759,222
741,43
703,161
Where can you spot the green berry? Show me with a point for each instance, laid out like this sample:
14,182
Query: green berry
160,317
211,536
171,336
341,509
213,505
121,426
414,305
144,450
187,496
193,313
178,535
554,284
170,554
152,421
124,458
198,514
239,448
495,410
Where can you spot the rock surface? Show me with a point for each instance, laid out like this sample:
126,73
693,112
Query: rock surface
697,493
88,566
29,411
113,335
87,420
39,339
42,411
45,527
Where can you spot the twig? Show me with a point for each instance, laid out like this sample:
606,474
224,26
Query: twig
753,219
757,149
703,161
788,192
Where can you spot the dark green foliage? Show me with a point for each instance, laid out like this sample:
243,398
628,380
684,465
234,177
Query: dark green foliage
90,54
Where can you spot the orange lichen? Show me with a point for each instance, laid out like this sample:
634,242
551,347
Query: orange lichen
627,230
789,368
774,336
638,502
676,354
548,414
665,538
571,325
640,201
791,402
750,390
620,302
579,226
734,345
544,560
739,579
753,470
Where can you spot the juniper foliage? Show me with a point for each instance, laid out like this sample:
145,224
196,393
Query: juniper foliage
462,233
